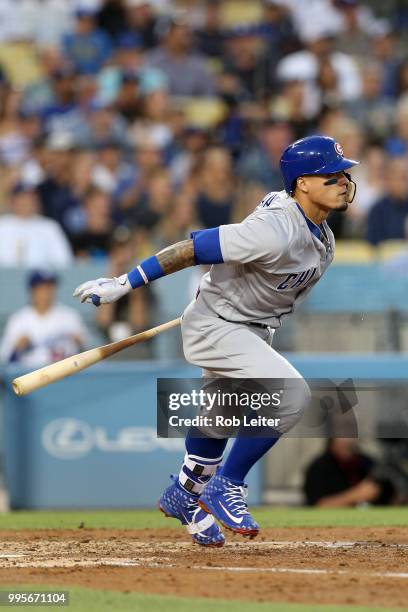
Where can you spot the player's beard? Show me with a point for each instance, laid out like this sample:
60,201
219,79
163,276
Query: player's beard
342,207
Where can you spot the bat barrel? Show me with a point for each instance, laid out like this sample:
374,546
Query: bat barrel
16,387
61,369
56,371
30,382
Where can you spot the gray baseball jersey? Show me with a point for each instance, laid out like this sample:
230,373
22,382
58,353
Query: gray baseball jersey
272,260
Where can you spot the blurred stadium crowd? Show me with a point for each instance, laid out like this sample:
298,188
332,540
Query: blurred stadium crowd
124,124
144,118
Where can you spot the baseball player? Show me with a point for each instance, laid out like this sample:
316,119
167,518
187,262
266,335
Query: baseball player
262,268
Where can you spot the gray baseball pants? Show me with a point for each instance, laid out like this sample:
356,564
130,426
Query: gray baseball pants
238,350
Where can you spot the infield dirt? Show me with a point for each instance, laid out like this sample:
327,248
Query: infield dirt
360,566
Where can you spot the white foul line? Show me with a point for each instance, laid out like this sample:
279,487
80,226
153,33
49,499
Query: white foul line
272,570
162,562
290,570
159,565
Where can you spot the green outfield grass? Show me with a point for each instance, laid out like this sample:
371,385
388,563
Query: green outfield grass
90,600
268,517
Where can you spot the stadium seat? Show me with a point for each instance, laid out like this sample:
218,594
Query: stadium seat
203,112
354,252
236,12
389,249
20,62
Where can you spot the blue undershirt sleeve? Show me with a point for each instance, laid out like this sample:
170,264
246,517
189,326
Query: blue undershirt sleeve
207,248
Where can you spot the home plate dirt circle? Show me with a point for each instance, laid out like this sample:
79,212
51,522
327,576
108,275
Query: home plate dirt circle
315,565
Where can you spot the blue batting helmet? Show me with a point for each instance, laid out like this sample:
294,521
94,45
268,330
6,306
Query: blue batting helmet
312,155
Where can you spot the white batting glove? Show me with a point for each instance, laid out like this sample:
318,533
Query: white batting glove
103,290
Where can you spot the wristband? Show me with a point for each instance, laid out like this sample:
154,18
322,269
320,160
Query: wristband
148,270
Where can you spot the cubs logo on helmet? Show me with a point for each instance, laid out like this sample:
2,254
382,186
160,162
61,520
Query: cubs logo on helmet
339,149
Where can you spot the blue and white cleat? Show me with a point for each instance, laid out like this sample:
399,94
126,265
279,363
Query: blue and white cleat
225,500
177,503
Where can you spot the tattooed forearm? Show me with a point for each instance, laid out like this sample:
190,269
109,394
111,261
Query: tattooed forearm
177,256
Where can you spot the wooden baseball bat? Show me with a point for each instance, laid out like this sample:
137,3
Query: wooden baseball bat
66,367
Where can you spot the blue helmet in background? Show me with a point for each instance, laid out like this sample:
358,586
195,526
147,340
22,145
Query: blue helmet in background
312,155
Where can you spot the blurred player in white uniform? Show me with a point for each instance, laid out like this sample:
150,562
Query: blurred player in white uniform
262,268
44,331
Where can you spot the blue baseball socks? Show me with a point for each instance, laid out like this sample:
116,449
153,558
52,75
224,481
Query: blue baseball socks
244,453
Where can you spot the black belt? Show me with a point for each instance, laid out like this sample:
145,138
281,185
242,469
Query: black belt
261,325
